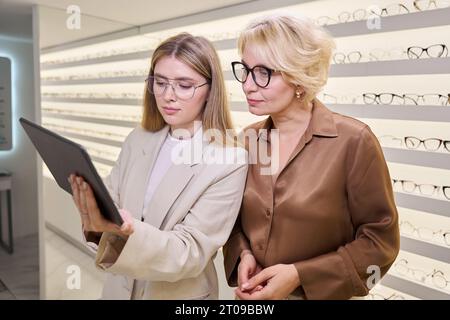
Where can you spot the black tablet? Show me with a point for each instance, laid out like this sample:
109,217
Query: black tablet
64,157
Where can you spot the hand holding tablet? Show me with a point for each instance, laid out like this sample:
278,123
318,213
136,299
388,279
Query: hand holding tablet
63,158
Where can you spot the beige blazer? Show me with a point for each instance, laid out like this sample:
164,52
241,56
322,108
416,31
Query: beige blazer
189,218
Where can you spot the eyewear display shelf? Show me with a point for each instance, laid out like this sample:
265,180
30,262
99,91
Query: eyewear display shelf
410,21
405,112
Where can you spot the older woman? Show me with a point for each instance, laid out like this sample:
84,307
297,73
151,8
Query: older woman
323,223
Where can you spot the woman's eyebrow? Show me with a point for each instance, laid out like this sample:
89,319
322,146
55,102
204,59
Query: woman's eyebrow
256,65
178,78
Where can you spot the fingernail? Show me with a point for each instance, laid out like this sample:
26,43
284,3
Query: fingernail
78,181
245,286
84,186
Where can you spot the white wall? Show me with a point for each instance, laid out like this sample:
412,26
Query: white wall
21,160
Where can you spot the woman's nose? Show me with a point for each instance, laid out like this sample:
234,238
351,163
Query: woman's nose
169,93
249,85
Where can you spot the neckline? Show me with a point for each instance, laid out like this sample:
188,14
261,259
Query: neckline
174,139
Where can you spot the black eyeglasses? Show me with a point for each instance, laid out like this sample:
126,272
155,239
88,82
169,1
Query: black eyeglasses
261,75
434,51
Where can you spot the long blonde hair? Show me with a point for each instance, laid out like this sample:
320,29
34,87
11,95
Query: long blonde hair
199,54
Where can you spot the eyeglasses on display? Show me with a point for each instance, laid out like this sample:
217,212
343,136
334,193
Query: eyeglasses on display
410,142
422,233
438,278
406,99
434,51
424,189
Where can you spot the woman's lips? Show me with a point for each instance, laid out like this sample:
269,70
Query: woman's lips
253,102
170,111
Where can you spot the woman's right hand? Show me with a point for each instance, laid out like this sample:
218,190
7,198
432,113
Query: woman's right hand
247,268
91,218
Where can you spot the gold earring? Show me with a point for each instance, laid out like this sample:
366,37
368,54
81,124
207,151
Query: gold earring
297,94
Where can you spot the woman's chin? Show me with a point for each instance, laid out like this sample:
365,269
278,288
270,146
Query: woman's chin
257,111
171,120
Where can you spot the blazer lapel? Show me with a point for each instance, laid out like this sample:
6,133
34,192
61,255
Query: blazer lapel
173,184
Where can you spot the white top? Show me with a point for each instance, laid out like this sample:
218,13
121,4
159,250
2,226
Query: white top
163,163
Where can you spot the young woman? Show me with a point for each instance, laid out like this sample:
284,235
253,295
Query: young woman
178,210
323,224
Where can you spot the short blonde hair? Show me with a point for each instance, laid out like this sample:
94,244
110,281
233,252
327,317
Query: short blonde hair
199,54
297,47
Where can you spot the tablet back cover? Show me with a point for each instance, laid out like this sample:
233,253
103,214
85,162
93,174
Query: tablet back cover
64,157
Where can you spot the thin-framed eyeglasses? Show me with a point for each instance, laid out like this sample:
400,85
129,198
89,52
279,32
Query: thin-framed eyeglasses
344,16
379,296
427,4
393,9
428,98
183,89
390,141
438,278
342,99
423,233
351,57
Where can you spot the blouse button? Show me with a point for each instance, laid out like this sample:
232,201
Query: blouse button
268,212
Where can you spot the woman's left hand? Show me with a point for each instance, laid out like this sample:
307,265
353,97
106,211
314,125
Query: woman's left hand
278,282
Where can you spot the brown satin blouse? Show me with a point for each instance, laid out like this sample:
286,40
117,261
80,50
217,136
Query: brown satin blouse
331,211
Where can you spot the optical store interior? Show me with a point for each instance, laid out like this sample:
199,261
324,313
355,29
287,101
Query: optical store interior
86,81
